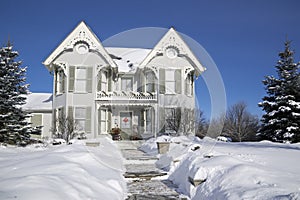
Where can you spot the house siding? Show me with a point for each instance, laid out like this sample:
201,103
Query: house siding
123,104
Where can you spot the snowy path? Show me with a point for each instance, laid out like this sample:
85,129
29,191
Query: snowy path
144,180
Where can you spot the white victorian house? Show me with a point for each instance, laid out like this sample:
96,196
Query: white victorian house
144,92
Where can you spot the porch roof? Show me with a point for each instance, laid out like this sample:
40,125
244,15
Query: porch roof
38,102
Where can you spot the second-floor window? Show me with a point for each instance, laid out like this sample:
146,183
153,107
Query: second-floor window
126,84
150,82
103,81
60,82
80,79
170,81
189,85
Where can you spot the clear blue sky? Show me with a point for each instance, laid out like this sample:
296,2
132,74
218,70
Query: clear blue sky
243,37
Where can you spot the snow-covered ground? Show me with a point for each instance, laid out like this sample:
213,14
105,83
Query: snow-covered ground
62,172
257,170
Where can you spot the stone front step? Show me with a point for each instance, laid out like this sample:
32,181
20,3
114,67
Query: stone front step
152,189
143,171
137,157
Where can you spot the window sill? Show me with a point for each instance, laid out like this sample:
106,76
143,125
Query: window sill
170,94
80,93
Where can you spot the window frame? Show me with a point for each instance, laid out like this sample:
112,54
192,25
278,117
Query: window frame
173,82
80,119
77,80
189,85
131,85
150,81
100,121
148,121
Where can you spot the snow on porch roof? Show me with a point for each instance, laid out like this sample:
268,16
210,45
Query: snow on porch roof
127,59
38,102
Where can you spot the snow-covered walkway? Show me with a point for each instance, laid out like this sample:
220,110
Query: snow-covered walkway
144,180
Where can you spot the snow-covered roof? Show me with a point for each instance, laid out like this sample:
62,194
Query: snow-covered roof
127,59
38,102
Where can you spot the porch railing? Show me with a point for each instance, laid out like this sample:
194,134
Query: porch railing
126,95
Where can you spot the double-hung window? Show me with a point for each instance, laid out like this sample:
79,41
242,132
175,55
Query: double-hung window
148,120
104,81
80,117
60,82
102,115
189,85
126,84
150,82
170,81
80,79
170,119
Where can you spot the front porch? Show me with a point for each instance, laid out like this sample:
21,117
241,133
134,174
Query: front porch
130,122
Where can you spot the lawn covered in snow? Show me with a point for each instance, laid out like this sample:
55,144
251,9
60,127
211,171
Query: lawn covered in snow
62,172
256,170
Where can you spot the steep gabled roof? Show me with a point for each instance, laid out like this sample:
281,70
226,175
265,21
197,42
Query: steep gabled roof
81,33
173,39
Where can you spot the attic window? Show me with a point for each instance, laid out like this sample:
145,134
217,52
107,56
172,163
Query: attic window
82,48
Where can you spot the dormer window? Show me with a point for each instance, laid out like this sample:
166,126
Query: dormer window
126,84
150,81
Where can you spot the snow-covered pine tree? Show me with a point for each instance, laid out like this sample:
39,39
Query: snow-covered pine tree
281,121
14,129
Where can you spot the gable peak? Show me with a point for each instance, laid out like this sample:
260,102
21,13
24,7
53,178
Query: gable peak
81,33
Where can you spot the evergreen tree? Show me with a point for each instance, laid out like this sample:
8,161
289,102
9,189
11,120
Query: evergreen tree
281,121
14,129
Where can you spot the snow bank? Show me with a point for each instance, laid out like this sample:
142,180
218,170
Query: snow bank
62,172
258,170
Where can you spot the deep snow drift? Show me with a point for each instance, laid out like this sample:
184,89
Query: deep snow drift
62,172
257,170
